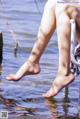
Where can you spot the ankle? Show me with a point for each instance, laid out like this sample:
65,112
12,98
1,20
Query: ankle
63,72
33,61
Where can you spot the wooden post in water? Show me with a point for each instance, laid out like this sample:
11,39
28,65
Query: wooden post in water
1,51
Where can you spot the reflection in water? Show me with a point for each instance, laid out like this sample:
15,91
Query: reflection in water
66,102
7,102
66,93
1,51
17,107
12,108
1,69
52,105
23,98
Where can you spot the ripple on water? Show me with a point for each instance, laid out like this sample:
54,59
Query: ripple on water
24,99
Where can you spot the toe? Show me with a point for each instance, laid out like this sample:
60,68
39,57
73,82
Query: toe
11,77
46,95
49,93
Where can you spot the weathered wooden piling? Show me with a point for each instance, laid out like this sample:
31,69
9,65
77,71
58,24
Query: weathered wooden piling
1,51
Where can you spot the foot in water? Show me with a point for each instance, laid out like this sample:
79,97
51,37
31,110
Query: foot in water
59,83
28,68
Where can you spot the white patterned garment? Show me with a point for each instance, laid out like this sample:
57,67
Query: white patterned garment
75,65
75,50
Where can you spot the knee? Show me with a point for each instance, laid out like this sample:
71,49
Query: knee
78,22
63,26
43,32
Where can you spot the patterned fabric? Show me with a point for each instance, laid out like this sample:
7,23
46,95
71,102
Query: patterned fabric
75,66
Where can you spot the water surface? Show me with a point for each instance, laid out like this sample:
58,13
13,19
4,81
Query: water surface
23,99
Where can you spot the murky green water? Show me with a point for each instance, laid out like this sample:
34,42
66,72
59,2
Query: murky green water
23,99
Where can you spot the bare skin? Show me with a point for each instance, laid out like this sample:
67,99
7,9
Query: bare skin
58,84
28,68
52,18
64,77
45,32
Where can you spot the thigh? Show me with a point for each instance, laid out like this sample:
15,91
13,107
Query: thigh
63,31
48,22
63,26
62,22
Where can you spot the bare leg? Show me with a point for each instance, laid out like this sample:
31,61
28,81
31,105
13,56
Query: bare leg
64,76
47,27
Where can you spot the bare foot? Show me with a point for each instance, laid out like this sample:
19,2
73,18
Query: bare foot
28,68
59,83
